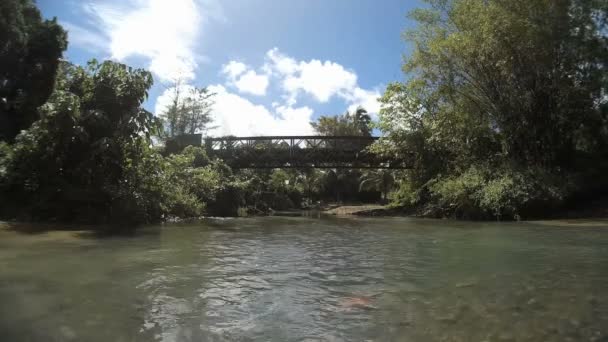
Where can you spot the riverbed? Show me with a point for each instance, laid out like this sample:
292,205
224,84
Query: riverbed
309,279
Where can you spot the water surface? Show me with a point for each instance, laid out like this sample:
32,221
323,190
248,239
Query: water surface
304,279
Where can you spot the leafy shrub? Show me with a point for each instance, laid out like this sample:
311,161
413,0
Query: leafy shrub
504,193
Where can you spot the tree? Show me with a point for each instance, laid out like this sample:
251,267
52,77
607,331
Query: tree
280,181
381,180
362,121
199,106
30,52
343,184
189,111
357,123
311,181
500,91
89,156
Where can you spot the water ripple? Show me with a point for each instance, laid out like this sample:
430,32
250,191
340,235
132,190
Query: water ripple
289,279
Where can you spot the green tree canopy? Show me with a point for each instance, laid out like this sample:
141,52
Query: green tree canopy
501,85
357,123
86,156
189,111
380,180
30,52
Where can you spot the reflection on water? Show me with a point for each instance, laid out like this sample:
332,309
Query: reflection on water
304,279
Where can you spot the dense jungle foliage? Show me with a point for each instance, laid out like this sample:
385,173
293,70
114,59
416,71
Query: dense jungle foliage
505,107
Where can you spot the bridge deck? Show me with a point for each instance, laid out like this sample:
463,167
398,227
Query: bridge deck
298,152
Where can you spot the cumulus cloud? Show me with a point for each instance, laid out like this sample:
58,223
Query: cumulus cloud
252,83
367,99
163,32
245,79
235,115
234,69
322,80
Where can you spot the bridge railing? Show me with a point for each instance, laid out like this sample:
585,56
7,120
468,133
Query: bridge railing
298,151
291,142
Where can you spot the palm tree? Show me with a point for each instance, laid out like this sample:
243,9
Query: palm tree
381,180
310,179
362,121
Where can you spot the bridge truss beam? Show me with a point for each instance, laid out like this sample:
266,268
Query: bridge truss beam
339,152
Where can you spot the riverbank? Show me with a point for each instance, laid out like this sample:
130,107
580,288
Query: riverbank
585,212
596,209
361,209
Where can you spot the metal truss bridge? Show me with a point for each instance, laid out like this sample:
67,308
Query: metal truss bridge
340,152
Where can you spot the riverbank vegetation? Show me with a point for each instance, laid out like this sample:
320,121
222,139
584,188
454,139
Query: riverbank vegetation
505,110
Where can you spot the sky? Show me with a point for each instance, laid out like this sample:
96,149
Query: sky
275,65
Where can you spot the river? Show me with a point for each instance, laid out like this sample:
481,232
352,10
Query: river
307,279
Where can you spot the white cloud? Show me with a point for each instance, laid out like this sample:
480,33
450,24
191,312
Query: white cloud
252,83
164,32
234,69
238,116
245,79
322,80
367,99
235,115
280,63
84,37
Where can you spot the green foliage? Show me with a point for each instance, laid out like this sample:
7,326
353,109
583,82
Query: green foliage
189,111
357,123
484,193
85,153
310,181
502,99
280,181
85,158
378,180
341,185
30,50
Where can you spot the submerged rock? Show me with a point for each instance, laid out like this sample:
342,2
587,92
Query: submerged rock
67,333
356,302
466,284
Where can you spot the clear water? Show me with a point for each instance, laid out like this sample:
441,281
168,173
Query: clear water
303,279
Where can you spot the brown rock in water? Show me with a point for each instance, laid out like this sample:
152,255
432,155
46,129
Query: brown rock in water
356,302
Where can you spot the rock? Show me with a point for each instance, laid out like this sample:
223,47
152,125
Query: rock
466,284
506,337
447,319
592,300
67,333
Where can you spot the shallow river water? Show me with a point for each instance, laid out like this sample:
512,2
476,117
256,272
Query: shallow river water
305,279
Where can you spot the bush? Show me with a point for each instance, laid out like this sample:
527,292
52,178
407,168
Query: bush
504,193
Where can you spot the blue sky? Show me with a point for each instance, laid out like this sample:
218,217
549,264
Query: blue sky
274,64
